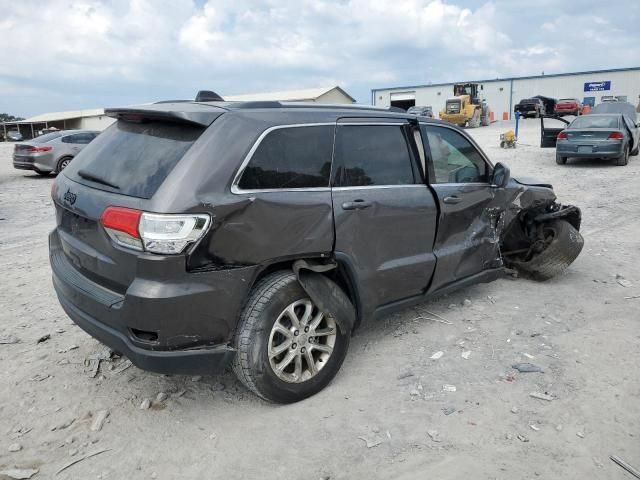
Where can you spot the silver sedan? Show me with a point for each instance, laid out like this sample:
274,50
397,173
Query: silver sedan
51,152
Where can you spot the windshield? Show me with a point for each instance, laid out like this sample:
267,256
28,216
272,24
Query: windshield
47,137
595,121
133,158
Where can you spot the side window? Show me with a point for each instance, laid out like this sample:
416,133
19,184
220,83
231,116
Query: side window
291,157
371,155
454,158
69,139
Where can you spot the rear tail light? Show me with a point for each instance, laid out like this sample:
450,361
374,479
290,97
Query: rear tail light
562,136
40,149
616,136
151,232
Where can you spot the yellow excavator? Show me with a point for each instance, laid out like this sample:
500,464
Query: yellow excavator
466,108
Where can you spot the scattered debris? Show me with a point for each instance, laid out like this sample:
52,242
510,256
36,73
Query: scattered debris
146,404
535,428
9,339
405,374
44,338
449,388
213,436
514,409
448,410
626,298
218,387
39,377
621,463
370,443
93,454
161,397
19,473
466,302
466,354
98,420
522,438
530,357
92,362
73,452
580,434
437,355
527,368
126,364
559,428
542,396
435,318
435,435
196,378
68,349
623,281
15,447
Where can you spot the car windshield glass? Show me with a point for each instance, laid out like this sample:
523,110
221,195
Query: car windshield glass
133,158
47,137
596,121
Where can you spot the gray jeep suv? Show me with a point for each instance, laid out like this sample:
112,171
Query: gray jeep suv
195,235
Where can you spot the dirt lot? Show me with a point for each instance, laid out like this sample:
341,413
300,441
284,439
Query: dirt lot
380,416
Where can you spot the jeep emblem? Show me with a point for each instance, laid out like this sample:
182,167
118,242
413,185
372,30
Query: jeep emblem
69,197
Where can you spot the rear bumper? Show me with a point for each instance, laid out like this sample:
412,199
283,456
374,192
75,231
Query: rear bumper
24,162
167,322
205,360
569,149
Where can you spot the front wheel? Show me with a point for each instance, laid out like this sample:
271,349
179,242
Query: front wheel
562,245
63,163
287,348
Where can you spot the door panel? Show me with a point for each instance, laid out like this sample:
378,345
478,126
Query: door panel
385,215
467,240
390,241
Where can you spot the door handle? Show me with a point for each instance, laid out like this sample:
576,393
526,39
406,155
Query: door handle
452,199
356,205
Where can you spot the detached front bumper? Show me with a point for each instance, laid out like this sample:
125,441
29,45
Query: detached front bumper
179,324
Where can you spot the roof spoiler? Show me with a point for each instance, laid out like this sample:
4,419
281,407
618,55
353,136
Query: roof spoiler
185,114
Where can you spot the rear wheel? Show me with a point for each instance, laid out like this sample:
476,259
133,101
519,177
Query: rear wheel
560,160
62,163
475,119
562,245
287,349
623,159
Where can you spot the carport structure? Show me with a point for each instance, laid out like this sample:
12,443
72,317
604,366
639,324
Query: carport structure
75,119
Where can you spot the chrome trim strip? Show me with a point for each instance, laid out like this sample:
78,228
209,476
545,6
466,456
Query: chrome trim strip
372,187
234,185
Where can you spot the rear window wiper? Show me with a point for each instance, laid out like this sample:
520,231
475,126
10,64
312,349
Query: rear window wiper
94,178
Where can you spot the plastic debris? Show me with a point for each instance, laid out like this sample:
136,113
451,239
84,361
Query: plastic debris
527,368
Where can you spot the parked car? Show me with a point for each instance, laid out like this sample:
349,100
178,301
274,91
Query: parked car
612,136
51,152
13,136
530,107
422,111
192,236
624,108
568,106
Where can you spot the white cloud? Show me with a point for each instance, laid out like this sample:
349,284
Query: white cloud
87,53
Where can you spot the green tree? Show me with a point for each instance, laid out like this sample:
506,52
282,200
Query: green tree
5,117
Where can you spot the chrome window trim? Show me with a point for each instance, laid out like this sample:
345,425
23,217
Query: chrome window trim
235,189
371,187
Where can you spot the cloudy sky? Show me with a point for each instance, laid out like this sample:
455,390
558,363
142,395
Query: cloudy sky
71,54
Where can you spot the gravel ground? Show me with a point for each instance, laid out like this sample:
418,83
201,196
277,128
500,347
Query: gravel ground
388,413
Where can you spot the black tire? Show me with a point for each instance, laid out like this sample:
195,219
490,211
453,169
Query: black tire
41,172
563,248
63,163
623,159
266,302
635,151
560,160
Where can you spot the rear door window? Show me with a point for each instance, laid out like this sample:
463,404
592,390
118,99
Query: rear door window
290,157
133,158
368,155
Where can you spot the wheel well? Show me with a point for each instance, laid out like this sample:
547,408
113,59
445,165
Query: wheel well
63,158
340,275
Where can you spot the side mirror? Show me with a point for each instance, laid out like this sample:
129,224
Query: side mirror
501,176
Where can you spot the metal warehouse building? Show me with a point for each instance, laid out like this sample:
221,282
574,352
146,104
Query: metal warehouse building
503,93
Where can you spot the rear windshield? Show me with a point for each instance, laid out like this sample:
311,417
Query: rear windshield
592,121
133,158
47,137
